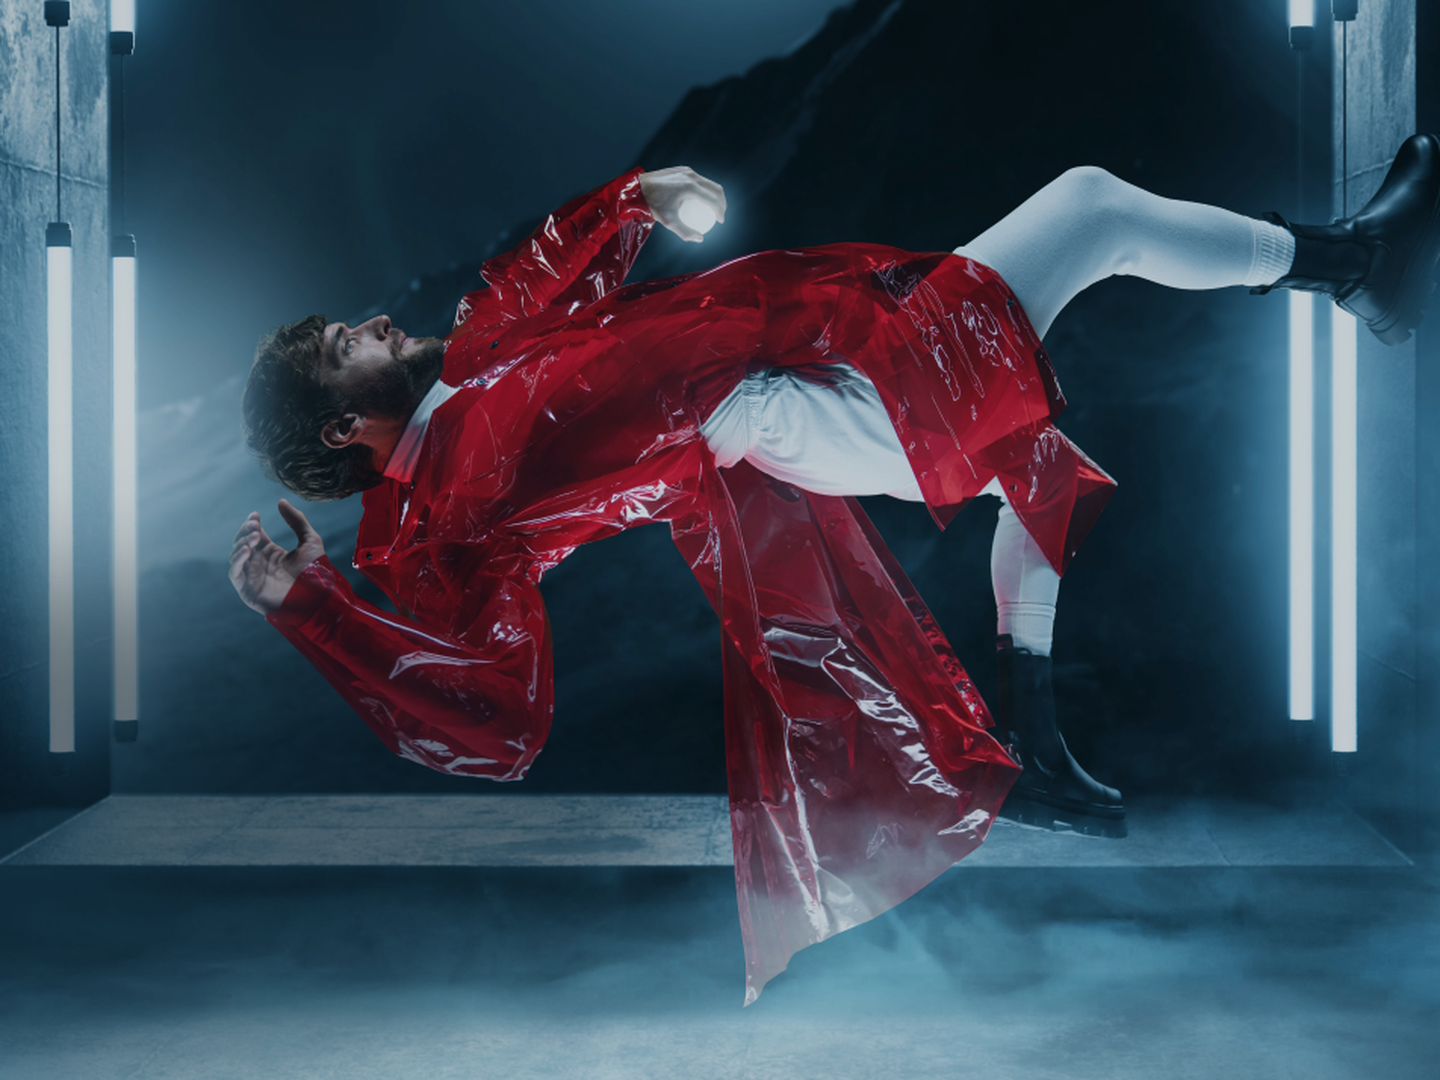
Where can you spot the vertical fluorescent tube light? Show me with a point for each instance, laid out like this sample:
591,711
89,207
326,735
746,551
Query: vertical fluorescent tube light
126,703
61,505
1343,587
1302,420
1302,507
127,606
62,542
122,16
1302,24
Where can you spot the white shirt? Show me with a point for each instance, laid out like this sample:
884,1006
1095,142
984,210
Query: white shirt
401,465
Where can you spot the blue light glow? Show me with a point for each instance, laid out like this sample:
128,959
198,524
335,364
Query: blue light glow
1343,654
61,501
122,16
127,629
1302,507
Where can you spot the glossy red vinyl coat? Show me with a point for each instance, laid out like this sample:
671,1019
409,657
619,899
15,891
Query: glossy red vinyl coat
858,761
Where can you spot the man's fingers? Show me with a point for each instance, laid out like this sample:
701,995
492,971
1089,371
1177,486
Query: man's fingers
243,551
713,193
297,521
249,525
717,194
250,537
249,532
239,564
251,543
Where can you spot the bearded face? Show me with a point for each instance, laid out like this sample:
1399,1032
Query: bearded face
312,376
396,387
374,369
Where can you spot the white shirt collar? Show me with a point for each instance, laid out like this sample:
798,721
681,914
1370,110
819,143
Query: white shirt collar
401,465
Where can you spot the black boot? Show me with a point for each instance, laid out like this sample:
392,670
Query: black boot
1053,791
1378,265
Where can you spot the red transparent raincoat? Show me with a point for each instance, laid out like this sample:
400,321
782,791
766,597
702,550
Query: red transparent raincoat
858,761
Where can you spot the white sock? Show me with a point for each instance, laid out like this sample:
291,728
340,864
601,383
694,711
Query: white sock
1274,254
1026,585
1030,626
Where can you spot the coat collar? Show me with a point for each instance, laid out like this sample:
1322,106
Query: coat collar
401,465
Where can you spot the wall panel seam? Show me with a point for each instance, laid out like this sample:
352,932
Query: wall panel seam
1406,675
68,177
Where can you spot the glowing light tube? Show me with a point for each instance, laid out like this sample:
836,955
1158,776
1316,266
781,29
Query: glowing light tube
1343,644
1302,25
62,533
127,603
122,16
1302,507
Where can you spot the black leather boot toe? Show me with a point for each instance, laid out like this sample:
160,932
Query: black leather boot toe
1053,791
1378,264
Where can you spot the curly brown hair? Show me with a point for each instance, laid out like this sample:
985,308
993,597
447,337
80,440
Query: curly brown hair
284,409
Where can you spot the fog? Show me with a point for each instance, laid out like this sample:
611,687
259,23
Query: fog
626,973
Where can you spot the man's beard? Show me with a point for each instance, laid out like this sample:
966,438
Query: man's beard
397,388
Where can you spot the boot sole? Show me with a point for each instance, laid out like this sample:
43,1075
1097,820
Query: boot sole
1024,811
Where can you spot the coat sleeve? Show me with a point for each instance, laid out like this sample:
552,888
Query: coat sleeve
577,254
472,702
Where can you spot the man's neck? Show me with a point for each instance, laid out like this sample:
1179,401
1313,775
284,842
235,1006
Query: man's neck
382,435
389,430
404,450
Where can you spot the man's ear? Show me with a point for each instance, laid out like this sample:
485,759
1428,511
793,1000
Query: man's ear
338,434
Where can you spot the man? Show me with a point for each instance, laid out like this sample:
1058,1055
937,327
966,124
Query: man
744,406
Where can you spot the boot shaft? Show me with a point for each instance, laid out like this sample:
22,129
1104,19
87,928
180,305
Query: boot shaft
1328,260
1026,719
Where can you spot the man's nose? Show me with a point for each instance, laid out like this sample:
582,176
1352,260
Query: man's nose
379,326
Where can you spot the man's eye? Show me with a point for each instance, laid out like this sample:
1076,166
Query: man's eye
348,346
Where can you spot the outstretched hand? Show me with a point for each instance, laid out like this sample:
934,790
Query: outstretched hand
666,190
261,570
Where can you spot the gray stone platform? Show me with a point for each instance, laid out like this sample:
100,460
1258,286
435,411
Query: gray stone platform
636,830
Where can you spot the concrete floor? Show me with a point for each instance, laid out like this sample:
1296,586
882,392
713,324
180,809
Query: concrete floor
1000,970
637,830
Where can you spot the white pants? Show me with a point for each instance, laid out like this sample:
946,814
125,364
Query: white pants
826,431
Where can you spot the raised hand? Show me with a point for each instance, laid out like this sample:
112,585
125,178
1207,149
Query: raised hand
261,570
667,189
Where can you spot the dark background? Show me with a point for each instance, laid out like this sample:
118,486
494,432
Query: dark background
350,159
285,158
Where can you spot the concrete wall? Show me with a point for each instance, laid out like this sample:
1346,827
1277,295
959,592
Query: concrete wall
27,203
1379,63
1427,399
